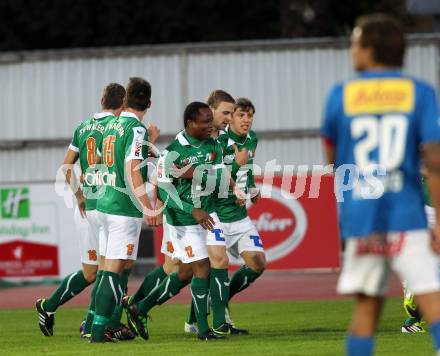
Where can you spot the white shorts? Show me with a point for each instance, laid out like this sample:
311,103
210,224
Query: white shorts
121,234
238,236
91,236
167,246
189,243
409,254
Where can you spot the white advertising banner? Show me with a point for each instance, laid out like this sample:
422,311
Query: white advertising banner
38,238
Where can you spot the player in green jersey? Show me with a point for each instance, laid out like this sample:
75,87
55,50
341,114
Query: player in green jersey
124,202
187,204
414,323
239,235
222,106
84,148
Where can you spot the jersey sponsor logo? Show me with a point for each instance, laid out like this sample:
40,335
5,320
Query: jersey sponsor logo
376,96
190,160
99,178
281,224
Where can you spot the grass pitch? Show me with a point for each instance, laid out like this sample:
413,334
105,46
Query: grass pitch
277,328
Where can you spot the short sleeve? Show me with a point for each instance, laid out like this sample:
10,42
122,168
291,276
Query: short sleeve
428,115
136,146
74,144
330,116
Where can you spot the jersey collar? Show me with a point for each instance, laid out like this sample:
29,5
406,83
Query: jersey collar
129,114
101,115
392,72
234,138
186,140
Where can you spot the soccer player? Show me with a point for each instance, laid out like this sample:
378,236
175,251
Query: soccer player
376,128
124,202
240,235
83,146
236,233
196,148
414,324
221,104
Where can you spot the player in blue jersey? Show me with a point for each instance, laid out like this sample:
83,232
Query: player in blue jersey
377,127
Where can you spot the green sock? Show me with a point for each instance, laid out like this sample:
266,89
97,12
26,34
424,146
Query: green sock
91,312
219,290
109,295
115,319
199,292
151,281
168,288
241,279
192,314
71,285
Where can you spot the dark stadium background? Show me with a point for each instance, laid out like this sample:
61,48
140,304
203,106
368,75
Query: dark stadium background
54,24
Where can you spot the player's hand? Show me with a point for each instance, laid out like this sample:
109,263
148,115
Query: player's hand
435,243
240,195
203,218
81,200
153,133
255,195
241,157
153,217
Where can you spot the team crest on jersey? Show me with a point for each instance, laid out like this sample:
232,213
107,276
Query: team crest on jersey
251,154
210,156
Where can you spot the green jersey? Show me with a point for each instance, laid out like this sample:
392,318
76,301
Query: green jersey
85,142
182,195
226,208
125,139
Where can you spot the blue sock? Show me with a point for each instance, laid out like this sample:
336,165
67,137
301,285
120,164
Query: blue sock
435,331
359,346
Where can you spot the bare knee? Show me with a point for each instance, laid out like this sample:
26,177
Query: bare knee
185,273
201,268
255,261
221,262
218,257
170,265
89,273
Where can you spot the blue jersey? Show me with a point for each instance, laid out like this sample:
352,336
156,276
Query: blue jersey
377,123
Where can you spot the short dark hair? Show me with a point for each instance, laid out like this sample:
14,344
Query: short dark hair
385,36
113,96
138,93
218,96
244,104
192,111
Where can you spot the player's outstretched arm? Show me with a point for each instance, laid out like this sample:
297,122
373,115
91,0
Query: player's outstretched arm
431,154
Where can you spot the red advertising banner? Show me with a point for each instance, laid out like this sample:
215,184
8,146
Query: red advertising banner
21,258
298,225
